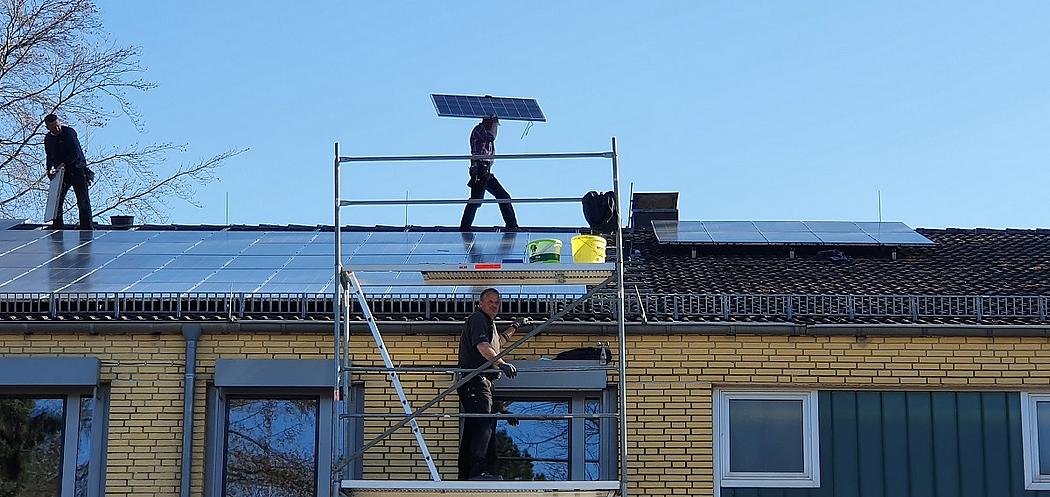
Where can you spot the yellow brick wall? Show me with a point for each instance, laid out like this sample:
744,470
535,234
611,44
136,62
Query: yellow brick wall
145,422
671,381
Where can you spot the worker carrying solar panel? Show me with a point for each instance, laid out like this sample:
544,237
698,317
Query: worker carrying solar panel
483,142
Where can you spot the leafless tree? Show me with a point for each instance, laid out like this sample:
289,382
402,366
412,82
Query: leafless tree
55,58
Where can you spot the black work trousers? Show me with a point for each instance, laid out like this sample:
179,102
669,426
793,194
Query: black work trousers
477,447
479,184
75,177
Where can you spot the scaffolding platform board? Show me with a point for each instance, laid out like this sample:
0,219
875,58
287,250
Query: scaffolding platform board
422,488
501,273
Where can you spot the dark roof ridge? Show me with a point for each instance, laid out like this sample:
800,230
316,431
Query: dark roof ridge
979,230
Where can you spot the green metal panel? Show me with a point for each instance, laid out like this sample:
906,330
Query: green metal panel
895,443
869,444
915,444
945,443
750,492
1013,432
971,444
920,444
844,443
996,444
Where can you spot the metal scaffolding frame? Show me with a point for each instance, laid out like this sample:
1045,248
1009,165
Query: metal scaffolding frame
602,274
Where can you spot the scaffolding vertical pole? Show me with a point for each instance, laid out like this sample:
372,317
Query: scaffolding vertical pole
349,424
337,304
621,329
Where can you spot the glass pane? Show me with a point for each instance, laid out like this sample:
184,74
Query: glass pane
87,409
271,447
592,441
550,470
593,471
31,446
765,436
1042,410
533,449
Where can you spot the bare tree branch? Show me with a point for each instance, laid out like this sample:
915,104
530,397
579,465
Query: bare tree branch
174,184
56,58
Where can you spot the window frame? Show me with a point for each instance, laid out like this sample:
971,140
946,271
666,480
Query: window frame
218,409
808,478
1033,479
71,397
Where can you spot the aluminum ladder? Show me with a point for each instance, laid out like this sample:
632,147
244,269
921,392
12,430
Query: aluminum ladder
352,284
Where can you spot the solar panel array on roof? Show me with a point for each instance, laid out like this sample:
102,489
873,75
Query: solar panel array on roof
515,109
248,261
10,223
839,233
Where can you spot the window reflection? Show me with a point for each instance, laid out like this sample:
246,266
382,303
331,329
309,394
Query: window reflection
592,447
31,433
271,447
87,409
535,449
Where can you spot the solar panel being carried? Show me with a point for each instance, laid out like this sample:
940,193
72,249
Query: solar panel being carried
835,233
506,108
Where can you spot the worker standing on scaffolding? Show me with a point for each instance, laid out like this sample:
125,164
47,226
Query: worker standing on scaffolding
479,344
483,142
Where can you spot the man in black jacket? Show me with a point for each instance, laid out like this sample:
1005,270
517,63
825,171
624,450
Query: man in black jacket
480,343
62,148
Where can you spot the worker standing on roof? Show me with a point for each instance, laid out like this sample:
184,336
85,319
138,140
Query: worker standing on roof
483,142
479,344
62,150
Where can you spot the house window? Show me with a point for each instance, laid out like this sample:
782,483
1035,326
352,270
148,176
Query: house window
43,434
1035,429
766,439
555,449
274,442
271,446
270,429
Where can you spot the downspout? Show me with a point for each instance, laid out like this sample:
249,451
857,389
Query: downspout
192,333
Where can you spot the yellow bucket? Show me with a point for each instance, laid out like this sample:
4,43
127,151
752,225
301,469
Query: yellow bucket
544,250
587,249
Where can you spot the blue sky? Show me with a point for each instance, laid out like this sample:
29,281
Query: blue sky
755,110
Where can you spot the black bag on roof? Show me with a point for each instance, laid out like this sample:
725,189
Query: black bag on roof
599,209
586,354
